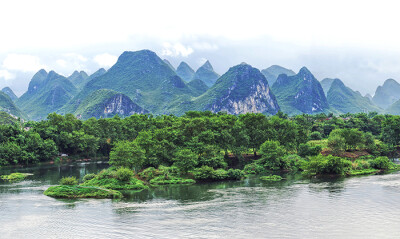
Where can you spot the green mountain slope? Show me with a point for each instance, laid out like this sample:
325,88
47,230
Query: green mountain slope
207,74
326,85
345,100
185,72
46,93
8,106
169,64
394,109
143,77
387,94
10,93
301,93
78,78
107,103
240,90
197,86
271,73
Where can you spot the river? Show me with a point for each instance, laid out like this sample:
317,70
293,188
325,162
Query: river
357,207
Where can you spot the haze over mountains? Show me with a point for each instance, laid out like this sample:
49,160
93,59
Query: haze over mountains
141,82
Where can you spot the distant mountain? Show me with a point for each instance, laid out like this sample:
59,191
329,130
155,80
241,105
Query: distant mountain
185,72
47,92
207,74
78,78
8,106
271,73
387,94
10,93
394,109
241,90
107,103
143,77
197,86
368,96
345,100
326,85
169,64
301,93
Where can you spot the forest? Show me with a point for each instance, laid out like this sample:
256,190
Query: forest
209,146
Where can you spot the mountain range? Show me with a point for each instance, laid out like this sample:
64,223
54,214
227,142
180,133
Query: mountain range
141,82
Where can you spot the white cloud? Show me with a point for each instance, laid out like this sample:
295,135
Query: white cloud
205,46
62,63
24,63
105,60
76,57
6,75
176,50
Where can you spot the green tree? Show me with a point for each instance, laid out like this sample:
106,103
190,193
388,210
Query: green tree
185,160
127,154
272,154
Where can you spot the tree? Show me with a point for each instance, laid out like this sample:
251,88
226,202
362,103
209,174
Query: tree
185,160
336,143
272,154
127,154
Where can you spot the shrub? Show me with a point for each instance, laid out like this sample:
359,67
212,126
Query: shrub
185,160
360,164
220,174
253,168
149,173
69,181
320,165
203,173
381,163
294,161
308,150
272,155
160,180
271,178
336,143
89,176
316,135
124,174
235,174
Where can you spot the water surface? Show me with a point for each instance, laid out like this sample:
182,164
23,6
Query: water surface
358,207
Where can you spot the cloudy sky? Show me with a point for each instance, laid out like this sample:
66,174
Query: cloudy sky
356,41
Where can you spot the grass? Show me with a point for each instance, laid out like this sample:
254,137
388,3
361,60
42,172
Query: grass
362,172
65,191
272,178
15,176
115,184
161,180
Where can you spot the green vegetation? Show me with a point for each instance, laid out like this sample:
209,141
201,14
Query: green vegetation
65,191
70,181
7,105
119,179
6,118
206,74
15,176
162,180
273,178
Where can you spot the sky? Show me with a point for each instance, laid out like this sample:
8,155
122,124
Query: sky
355,41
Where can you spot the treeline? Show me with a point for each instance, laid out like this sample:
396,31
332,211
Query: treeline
200,138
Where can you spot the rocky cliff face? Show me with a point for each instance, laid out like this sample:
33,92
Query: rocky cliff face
243,89
301,93
122,105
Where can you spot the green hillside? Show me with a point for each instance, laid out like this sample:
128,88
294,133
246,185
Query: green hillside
10,93
271,73
207,74
185,72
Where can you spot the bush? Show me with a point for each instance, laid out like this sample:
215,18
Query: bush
124,174
320,165
336,143
272,155
253,168
69,181
89,176
235,174
360,164
271,178
294,161
203,173
149,173
308,150
66,191
161,180
316,135
381,163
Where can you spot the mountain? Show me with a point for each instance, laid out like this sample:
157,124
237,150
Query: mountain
394,109
240,90
207,74
169,64
8,106
197,86
5,118
185,72
47,92
142,76
107,103
387,94
10,93
271,73
345,100
326,85
368,96
301,93
78,78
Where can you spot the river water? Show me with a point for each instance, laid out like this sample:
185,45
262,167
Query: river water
357,207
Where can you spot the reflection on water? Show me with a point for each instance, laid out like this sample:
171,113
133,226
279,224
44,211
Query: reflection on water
359,207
